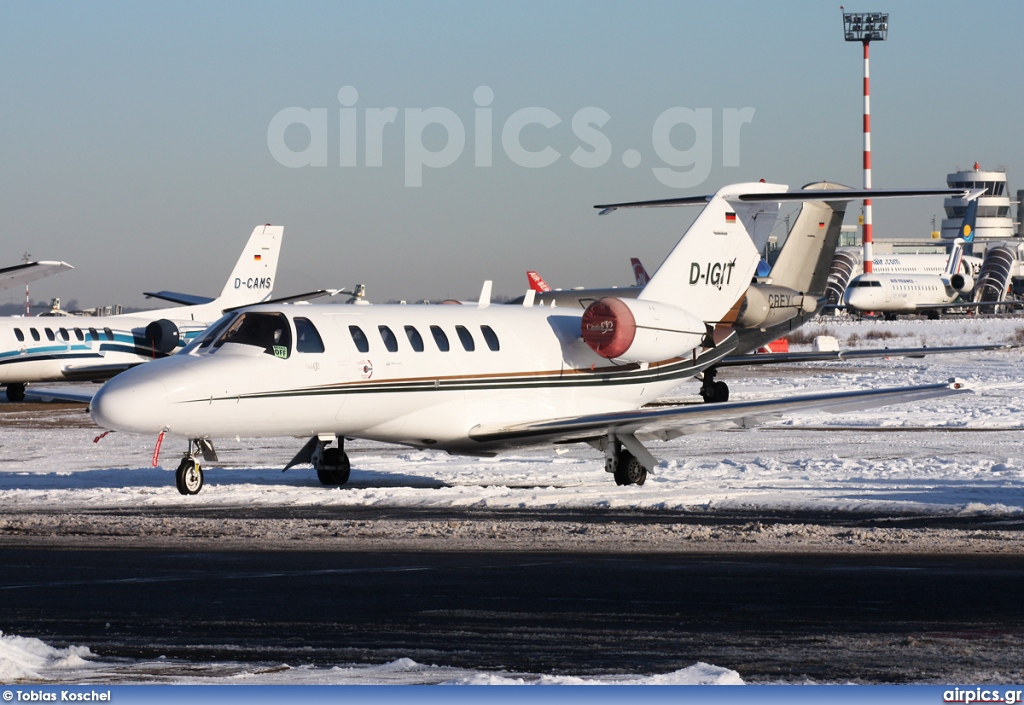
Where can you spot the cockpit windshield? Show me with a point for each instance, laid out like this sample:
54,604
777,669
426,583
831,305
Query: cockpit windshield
208,335
269,331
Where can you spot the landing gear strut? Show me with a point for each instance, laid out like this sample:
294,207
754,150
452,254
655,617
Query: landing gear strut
16,391
624,464
712,391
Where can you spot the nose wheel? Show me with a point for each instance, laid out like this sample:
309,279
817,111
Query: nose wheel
189,476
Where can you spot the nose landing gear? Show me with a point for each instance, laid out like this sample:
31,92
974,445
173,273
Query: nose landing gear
189,476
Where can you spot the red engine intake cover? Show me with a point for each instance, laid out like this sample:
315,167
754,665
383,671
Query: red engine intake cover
608,327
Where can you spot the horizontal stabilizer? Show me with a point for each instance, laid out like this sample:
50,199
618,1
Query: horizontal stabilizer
295,298
798,195
174,297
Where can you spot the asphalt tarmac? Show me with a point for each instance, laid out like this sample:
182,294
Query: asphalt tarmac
771,617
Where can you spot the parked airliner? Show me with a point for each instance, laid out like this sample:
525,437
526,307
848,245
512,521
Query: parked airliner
911,293
42,349
478,379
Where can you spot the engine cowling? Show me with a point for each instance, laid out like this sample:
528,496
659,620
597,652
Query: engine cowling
765,305
962,282
633,330
162,336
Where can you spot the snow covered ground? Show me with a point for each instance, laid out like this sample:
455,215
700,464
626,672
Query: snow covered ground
958,456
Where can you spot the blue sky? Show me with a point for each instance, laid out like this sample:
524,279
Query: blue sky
135,135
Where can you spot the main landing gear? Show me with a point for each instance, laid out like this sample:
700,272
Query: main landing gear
712,391
332,464
16,391
626,458
189,475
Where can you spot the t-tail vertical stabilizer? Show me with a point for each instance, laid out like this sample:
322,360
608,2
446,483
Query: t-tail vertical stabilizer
252,279
711,267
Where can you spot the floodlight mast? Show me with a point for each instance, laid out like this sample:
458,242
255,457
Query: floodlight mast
865,27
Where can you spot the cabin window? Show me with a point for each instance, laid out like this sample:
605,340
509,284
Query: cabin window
390,341
466,337
359,338
108,334
64,335
490,337
34,333
49,334
19,335
441,338
93,334
269,331
307,337
78,334
415,339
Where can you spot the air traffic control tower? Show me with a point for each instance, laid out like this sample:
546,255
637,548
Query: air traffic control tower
994,221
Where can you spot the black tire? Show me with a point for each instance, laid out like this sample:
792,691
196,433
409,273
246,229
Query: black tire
629,470
721,392
714,392
16,391
189,477
334,468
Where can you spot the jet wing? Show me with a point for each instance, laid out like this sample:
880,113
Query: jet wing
25,273
780,358
665,423
176,298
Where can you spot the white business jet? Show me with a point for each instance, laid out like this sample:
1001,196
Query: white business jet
891,294
476,379
41,349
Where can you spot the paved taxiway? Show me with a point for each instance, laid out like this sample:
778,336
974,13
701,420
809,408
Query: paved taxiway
771,617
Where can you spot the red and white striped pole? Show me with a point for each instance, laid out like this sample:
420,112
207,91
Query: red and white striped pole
868,254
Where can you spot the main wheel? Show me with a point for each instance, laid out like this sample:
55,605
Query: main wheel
714,392
189,476
630,471
334,467
16,391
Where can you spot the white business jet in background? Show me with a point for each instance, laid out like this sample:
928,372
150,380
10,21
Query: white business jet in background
40,349
479,379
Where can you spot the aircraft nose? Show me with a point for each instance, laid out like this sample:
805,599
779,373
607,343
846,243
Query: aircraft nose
127,405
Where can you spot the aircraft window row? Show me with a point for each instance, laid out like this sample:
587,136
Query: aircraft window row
269,331
390,340
64,334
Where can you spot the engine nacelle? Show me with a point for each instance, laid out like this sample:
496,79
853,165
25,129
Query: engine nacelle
162,336
961,282
765,305
632,330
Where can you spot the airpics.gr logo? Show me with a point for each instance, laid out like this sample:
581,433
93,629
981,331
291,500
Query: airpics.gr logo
363,134
253,283
717,274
